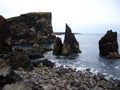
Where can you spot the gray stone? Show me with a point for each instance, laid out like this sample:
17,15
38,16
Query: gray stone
18,86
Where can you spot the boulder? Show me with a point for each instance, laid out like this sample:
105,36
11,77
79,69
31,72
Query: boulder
34,53
18,58
108,45
7,75
5,36
44,62
70,45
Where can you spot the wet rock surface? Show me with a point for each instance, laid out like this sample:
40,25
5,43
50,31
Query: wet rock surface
69,46
108,45
5,36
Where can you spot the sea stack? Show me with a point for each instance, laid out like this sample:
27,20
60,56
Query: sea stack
108,45
57,46
5,36
70,45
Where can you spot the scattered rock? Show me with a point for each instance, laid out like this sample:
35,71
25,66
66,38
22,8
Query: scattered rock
18,86
108,45
5,36
49,87
60,78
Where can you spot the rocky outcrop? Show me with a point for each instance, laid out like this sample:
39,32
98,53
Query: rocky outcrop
108,45
32,28
57,49
18,58
43,62
5,36
70,45
7,75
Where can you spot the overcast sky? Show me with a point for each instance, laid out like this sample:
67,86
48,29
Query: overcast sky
81,15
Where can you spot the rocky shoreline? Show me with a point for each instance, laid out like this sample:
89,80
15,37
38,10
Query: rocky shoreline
31,74
43,77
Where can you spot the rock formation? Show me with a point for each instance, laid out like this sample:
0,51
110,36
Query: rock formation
70,45
5,36
7,75
108,45
57,46
32,28
18,58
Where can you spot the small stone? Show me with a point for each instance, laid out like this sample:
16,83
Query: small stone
49,87
97,88
53,81
68,87
35,45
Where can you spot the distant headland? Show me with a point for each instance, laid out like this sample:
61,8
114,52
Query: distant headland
62,33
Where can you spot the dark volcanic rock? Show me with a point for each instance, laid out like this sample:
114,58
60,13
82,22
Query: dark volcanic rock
5,36
18,58
7,75
31,28
34,53
108,45
44,62
70,45
57,46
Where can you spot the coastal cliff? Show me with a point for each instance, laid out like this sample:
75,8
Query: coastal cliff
31,28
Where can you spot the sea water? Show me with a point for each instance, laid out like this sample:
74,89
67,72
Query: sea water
89,58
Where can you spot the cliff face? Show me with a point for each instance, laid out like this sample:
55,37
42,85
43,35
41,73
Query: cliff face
5,36
31,28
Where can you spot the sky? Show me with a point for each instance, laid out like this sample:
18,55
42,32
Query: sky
84,16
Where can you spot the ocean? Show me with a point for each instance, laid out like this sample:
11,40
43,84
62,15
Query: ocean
89,58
